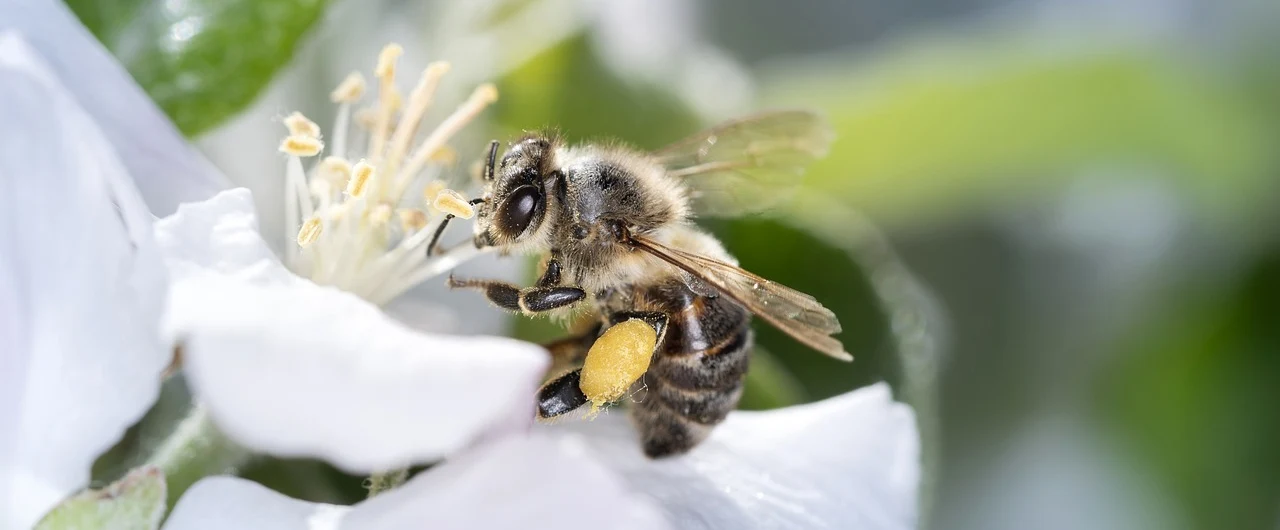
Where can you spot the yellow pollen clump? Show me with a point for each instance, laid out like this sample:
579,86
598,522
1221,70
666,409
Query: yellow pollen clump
617,359
361,174
453,203
300,125
432,190
350,90
412,220
309,232
301,145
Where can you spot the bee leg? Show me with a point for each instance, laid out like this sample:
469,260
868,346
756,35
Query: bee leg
655,319
561,395
564,394
547,295
530,301
572,350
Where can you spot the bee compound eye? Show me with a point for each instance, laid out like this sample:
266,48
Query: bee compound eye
519,209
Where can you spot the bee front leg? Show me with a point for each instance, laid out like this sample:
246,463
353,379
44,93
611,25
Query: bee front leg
545,296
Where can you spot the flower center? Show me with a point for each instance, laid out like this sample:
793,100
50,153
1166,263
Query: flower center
364,227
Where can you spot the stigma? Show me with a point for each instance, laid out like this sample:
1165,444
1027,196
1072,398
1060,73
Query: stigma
363,213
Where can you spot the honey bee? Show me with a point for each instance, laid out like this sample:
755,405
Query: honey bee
614,226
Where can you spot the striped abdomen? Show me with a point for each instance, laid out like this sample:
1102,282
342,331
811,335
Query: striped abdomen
697,373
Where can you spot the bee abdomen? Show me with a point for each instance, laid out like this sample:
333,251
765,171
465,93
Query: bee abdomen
682,397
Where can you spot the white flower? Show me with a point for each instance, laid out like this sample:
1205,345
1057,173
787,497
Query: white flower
295,368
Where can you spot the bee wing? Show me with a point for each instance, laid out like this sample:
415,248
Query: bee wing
795,313
747,165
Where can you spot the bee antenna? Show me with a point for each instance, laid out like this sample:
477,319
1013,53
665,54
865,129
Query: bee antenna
493,159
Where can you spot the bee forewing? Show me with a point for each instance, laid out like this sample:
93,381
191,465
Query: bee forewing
795,313
747,165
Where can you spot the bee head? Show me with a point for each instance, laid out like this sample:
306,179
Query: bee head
516,202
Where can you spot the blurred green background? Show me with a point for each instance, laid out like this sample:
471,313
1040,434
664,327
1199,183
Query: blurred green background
1049,224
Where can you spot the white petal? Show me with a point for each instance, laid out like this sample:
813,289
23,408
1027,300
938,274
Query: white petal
218,503
847,462
517,482
81,291
295,369
165,168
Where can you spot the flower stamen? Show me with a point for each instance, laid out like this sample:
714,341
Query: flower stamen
362,230
453,203
310,232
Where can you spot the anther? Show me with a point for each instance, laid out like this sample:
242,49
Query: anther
452,203
299,125
301,145
350,90
335,169
310,232
361,174
387,58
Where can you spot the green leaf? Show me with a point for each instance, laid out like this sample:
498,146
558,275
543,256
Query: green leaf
769,385
201,60
568,88
946,125
136,501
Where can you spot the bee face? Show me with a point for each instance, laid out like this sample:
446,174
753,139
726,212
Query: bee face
517,200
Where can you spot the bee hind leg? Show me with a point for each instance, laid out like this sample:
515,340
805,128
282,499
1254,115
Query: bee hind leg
564,393
561,395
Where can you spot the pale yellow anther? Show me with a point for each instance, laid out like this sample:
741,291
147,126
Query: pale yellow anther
485,94
335,169
301,145
617,360
381,214
349,90
453,203
299,125
309,232
444,156
432,190
361,174
412,220
386,68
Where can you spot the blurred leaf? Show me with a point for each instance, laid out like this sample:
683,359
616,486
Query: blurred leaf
939,127
769,385
1197,397
568,88
134,502
201,60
